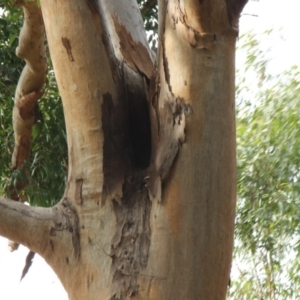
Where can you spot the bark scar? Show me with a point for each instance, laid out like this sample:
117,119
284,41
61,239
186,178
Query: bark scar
197,39
134,53
131,243
72,224
66,43
78,190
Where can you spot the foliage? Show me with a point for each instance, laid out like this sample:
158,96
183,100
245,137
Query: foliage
266,258
149,10
10,68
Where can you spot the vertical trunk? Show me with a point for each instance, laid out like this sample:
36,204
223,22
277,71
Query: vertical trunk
102,63
192,228
84,77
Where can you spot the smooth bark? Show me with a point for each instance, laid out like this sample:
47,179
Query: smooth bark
148,210
192,229
36,227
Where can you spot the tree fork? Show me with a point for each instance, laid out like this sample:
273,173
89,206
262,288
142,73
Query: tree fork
139,225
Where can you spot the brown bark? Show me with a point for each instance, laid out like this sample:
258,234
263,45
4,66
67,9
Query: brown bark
148,211
192,229
30,226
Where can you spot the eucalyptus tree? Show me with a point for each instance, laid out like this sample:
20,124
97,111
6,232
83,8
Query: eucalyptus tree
149,202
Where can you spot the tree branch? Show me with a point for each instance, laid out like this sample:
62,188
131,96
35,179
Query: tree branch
28,225
32,49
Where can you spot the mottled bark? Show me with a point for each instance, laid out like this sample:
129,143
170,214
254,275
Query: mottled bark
148,210
192,226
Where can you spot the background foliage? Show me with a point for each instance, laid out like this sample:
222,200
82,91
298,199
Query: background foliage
266,257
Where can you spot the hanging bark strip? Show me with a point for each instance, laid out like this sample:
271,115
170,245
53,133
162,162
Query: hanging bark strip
32,49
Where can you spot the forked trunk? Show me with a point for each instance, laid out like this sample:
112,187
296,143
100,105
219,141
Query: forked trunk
148,211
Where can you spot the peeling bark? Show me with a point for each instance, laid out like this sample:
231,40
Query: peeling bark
135,54
126,121
132,239
148,210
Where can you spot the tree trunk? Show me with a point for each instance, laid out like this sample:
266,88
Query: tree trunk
148,210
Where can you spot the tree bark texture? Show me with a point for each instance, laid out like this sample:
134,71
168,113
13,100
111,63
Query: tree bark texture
148,210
